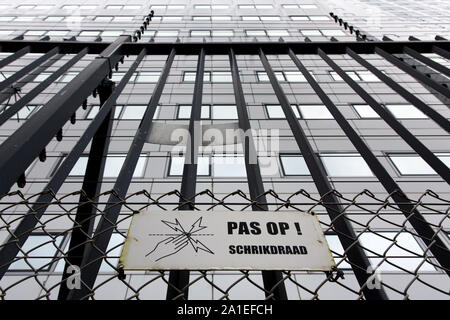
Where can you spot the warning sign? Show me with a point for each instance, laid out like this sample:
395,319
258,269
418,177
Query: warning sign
224,240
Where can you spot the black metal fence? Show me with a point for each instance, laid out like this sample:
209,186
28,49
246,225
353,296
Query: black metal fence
30,140
402,264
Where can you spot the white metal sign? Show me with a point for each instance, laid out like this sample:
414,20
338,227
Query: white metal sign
225,240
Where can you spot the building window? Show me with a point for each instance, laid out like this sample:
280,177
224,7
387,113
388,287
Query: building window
270,18
229,166
263,77
400,249
184,112
365,111
189,76
148,76
113,165
337,250
315,111
67,77
410,164
310,33
274,111
89,33
172,18
112,33
167,33
54,18
277,33
95,108
118,75
200,33
209,7
57,33
405,111
221,76
201,18
222,33
293,165
136,112
345,165
366,76
299,18
321,18
332,32
224,112
255,33
40,252
177,164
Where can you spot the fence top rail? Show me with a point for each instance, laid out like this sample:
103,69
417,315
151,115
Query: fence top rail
190,48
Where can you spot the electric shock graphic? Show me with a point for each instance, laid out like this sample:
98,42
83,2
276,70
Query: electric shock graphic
175,242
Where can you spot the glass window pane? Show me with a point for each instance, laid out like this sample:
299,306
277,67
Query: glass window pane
315,111
189,76
223,33
224,112
274,111
319,18
250,18
309,33
270,18
277,33
365,111
229,166
405,111
294,76
148,76
346,166
221,76
294,165
200,33
299,18
167,33
391,244
255,33
184,112
114,164
94,110
411,165
40,250
134,112
368,76
177,165
332,32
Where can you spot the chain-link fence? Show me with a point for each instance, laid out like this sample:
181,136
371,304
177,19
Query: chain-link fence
402,264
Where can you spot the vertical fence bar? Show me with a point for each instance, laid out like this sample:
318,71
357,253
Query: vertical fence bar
425,60
179,280
423,229
13,57
28,223
434,115
273,280
409,138
443,53
8,113
22,72
24,145
85,215
413,73
96,249
358,259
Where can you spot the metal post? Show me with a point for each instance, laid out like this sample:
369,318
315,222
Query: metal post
409,138
85,216
97,247
179,280
434,115
8,113
273,280
24,145
423,229
413,73
27,224
355,253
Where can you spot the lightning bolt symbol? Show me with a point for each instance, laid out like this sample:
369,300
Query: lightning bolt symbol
197,245
174,226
